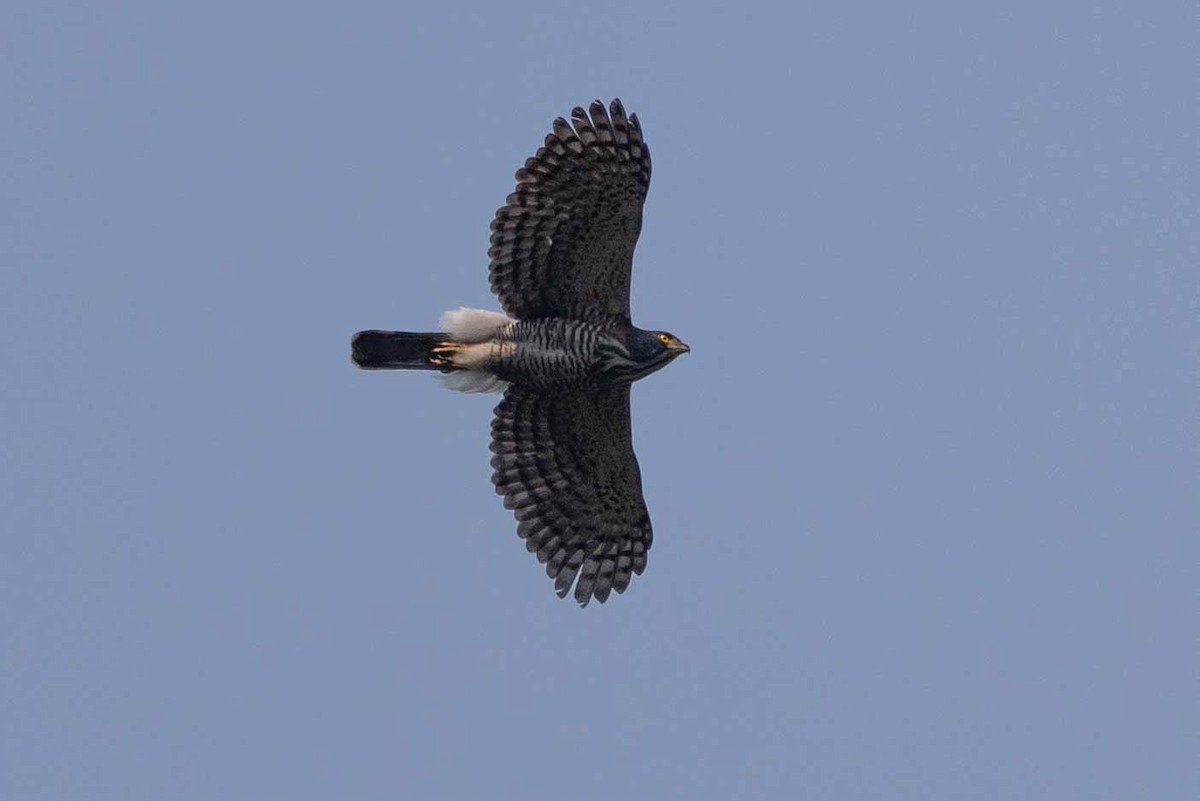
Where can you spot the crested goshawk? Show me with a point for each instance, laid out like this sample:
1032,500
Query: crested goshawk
564,352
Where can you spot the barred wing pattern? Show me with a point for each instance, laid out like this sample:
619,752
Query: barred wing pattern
563,244
565,465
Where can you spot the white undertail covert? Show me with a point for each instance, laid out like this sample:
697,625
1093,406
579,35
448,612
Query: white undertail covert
471,326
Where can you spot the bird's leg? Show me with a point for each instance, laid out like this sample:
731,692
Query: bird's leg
461,355
443,355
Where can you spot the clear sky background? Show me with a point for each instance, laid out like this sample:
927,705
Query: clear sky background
926,493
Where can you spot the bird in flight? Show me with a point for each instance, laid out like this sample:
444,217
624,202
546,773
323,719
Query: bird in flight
564,352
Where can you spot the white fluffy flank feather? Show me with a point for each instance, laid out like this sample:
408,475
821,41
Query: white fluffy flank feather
472,325
472,381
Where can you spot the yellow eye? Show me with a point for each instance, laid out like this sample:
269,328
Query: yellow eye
664,338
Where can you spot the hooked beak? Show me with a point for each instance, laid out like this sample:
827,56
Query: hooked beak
679,347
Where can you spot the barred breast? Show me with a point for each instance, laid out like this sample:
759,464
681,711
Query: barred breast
548,352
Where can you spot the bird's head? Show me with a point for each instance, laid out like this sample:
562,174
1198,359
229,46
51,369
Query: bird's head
640,353
663,342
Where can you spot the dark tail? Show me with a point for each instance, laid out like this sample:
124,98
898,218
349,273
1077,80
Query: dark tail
394,350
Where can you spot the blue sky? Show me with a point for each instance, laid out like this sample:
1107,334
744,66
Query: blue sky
924,492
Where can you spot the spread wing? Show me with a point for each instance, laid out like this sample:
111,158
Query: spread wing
565,465
562,246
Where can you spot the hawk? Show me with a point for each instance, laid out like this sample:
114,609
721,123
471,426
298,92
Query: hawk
564,352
